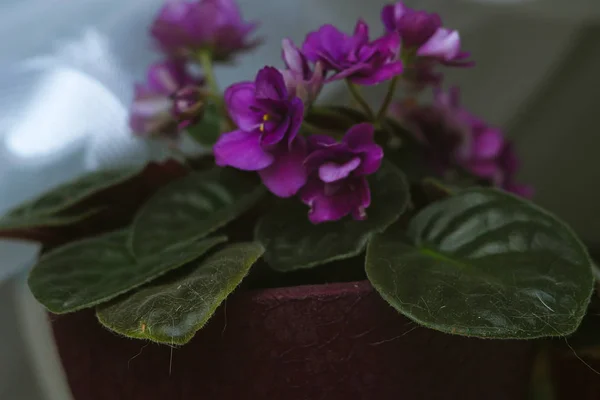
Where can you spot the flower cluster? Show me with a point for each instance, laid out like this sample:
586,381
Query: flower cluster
330,176
187,33
454,138
337,171
268,132
267,140
184,28
425,41
156,109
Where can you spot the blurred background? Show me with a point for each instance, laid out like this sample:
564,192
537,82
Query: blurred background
66,77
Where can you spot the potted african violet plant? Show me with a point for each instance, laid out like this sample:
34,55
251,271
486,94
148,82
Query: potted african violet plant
371,248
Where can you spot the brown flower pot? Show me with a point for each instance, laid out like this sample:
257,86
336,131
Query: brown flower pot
575,376
335,341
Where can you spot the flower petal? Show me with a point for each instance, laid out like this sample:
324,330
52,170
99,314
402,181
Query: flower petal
332,172
270,84
361,34
328,44
388,17
444,45
359,136
388,44
384,73
296,117
241,150
149,105
239,98
150,113
488,144
333,201
317,141
293,57
509,160
183,27
274,133
488,169
325,208
292,81
166,77
358,69
359,139
318,156
363,193
286,175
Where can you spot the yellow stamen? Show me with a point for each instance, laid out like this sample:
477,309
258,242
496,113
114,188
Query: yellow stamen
262,126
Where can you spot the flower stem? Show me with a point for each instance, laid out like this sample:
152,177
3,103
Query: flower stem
205,60
388,98
311,129
360,100
328,112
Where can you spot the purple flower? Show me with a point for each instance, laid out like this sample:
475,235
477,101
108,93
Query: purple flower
188,105
510,164
354,57
152,111
183,28
454,138
267,140
337,184
300,78
423,35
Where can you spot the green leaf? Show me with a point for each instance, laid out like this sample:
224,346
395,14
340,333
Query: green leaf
173,310
191,208
86,273
43,210
292,242
206,132
31,221
484,263
586,340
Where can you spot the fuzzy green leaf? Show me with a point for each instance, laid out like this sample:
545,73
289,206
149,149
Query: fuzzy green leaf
292,242
172,310
484,263
191,208
86,273
45,210
33,221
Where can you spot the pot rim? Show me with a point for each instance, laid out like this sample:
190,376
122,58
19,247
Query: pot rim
302,292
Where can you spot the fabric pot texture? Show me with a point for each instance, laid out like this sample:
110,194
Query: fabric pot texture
333,341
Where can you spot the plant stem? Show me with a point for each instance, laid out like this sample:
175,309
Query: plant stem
205,60
388,98
315,130
331,113
360,100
